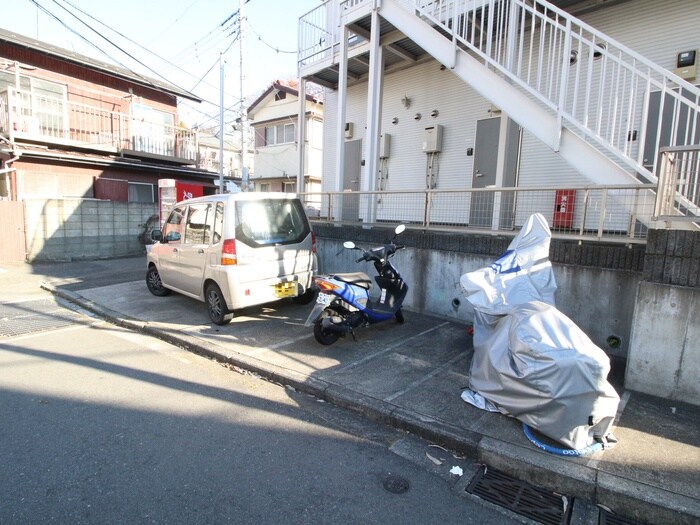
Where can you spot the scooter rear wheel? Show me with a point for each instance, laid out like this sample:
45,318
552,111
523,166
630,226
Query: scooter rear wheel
322,335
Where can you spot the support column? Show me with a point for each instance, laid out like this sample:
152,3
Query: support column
500,170
342,96
374,112
301,136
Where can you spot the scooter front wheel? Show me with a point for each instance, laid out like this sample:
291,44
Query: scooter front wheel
323,335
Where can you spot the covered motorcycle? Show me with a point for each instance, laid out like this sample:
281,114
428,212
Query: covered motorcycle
531,361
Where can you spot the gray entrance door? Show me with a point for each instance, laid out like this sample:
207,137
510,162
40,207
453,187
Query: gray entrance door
351,180
484,175
486,146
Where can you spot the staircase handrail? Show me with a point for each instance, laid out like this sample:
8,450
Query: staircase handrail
487,29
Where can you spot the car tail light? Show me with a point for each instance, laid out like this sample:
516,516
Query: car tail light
228,252
313,242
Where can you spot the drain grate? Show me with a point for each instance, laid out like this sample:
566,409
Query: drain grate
521,497
33,316
608,518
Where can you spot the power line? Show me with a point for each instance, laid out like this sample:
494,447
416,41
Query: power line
113,44
136,43
217,61
177,19
260,39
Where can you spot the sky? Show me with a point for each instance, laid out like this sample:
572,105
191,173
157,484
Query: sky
178,41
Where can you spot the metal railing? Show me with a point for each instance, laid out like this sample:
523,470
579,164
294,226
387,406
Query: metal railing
38,117
609,213
605,91
679,184
599,88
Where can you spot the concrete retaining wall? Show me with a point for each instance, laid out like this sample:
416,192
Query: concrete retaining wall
600,287
664,357
70,229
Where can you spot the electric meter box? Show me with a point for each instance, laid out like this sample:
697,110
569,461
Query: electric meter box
687,64
384,146
432,139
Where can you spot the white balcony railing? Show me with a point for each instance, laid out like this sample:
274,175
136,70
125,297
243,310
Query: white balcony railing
606,213
47,119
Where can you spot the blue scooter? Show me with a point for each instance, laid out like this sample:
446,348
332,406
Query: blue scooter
343,301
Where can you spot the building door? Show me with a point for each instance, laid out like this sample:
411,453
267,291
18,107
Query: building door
484,175
12,235
350,207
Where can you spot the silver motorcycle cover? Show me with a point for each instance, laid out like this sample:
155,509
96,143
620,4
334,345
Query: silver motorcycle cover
530,361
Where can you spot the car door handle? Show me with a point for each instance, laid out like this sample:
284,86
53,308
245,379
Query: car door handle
201,250
174,250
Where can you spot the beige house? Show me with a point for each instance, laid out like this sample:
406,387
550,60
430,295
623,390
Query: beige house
274,118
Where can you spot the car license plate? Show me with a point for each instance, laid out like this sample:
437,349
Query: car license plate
288,289
324,298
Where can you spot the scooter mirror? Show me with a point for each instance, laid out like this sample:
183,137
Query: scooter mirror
349,245
400,228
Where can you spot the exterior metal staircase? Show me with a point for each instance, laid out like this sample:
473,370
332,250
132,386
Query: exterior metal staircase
603,107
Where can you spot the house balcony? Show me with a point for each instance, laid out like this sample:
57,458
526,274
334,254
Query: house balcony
28,117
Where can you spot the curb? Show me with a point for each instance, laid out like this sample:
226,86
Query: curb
643,502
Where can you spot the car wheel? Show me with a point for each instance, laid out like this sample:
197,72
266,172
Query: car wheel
216,305
322,335
305,298
155,285
399,316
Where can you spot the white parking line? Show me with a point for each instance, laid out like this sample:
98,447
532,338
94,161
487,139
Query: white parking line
390,348
425,378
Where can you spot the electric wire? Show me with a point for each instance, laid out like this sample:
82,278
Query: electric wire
113,44
228,19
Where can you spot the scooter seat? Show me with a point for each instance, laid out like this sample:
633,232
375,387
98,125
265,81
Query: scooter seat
360,279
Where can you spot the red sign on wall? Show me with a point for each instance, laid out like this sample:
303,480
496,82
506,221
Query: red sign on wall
188,191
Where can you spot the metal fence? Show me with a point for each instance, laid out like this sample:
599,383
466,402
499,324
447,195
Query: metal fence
619,213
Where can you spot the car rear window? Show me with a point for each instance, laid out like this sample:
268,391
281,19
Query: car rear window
271,221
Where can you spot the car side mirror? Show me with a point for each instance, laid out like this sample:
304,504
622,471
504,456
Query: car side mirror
156,235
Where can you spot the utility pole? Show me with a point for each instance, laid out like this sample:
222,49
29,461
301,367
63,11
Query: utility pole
221,124
244,115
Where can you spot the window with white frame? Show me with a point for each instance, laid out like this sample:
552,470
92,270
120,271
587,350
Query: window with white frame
152,130
42,104
275,134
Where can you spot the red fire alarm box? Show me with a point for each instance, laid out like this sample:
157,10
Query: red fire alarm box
564,201
171,191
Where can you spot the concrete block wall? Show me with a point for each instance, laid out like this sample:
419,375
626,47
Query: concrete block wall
665,355
601,287
72,229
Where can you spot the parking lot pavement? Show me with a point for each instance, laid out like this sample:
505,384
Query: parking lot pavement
411,376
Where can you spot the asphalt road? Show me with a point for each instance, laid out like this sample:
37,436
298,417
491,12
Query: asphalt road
102,425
